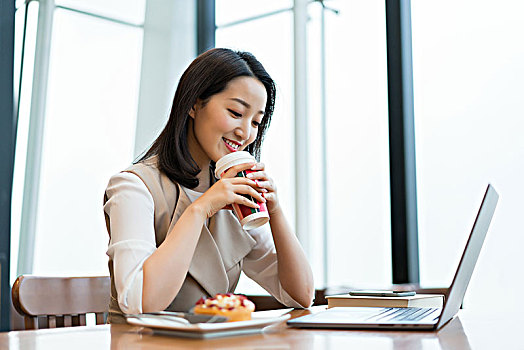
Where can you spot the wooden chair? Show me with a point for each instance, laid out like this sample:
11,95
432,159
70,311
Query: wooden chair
61,301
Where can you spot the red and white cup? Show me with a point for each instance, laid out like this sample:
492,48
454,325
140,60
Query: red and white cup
249,218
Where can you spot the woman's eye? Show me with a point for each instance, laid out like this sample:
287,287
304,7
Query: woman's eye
236,114
255,123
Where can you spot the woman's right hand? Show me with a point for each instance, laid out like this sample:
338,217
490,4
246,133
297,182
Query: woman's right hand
228,190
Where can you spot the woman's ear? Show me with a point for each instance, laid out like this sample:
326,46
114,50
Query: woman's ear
192,112
196,106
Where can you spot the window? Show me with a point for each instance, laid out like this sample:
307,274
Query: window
89,135
358,209
89,131
468,122
358,235
258,37
23,77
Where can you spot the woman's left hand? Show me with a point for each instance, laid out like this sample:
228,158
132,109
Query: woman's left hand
266,186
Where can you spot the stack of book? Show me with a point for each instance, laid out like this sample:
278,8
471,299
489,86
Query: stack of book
418,300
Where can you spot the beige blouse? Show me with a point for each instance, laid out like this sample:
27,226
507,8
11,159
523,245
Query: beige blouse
141,207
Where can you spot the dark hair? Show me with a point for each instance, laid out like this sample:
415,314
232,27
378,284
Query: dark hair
206,76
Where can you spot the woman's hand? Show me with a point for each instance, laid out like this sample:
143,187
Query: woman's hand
266,185
228,190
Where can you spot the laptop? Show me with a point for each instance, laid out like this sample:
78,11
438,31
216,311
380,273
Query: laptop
413,318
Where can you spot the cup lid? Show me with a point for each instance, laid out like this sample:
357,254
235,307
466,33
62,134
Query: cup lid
232,159
254,220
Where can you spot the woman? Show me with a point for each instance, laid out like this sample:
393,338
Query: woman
170,241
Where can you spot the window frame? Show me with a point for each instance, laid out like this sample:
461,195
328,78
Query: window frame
7,146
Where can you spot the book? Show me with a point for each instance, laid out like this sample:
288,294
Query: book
417,300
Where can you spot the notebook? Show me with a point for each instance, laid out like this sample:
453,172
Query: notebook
412,317
417,300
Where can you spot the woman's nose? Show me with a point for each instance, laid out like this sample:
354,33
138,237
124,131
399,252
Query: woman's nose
243,131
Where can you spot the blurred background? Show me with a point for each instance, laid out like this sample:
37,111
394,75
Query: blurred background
94,81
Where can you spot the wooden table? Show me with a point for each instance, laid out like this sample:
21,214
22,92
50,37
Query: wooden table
467,331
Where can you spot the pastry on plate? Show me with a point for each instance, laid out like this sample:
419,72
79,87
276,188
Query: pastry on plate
233,306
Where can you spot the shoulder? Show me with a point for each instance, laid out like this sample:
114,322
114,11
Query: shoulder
146,167
124,178
149,172
127,184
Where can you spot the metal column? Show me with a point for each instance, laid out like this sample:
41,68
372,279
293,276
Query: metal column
7,149
205,25
302,167
35,138
404,234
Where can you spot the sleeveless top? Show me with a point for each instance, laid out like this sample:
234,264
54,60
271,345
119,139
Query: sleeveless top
217,260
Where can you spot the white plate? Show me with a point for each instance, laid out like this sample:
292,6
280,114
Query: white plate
207,330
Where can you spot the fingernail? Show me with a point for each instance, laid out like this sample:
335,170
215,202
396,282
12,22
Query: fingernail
253,167
250,175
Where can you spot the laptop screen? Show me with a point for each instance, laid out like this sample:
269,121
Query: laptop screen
469,257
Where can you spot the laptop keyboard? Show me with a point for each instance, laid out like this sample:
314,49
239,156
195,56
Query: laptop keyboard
403,314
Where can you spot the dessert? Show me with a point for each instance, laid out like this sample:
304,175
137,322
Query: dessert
233,306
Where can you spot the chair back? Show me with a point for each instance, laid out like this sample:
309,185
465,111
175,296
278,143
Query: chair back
61,301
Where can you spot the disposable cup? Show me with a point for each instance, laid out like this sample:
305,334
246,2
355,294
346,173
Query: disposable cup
249,218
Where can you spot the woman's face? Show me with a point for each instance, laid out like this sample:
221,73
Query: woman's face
228,122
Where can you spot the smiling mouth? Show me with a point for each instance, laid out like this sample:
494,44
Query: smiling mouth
231,145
